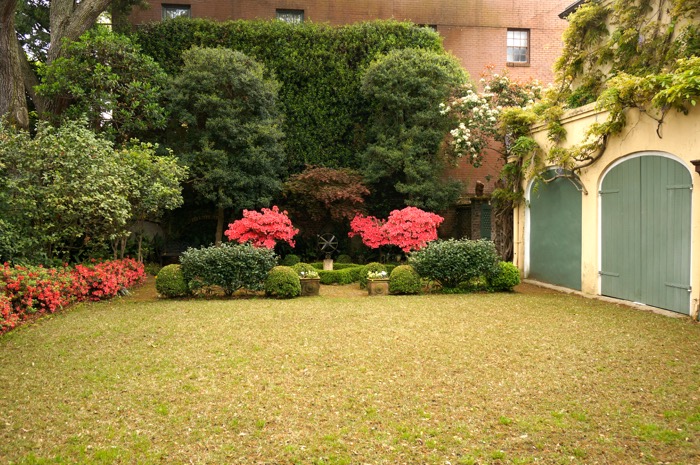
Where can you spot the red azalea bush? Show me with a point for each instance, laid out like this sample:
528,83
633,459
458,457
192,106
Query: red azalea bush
410,229
262,229
26,291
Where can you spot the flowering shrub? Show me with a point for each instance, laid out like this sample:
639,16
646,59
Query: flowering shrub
370,229
262,229
26,291
479,113
410,229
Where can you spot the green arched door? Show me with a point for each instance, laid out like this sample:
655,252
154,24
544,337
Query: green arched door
555,233
645,232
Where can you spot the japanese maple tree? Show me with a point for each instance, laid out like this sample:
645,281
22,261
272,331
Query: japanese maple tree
409,229
320,195
263,229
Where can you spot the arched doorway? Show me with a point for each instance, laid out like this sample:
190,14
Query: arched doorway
554,243
645,213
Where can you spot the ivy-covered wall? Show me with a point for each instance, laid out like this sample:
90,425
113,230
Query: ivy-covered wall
319,66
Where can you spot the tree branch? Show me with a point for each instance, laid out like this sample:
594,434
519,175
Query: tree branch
70,20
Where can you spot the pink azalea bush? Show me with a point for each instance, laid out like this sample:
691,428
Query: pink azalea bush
410,229
33,291
263,229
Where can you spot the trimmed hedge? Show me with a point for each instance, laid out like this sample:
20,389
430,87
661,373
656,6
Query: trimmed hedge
282,282
336,265
319,66
170,282
345,276
404,279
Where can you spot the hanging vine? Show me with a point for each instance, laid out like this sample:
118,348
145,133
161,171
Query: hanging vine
621,54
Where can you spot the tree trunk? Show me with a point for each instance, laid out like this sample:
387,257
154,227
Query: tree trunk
13,101
503,238
68,20
219,225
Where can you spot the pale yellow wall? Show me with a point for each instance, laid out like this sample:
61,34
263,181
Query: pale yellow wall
680,138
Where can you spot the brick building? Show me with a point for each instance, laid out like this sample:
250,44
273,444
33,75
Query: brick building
523,37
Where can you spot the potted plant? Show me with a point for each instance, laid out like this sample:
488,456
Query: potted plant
310,282
377,283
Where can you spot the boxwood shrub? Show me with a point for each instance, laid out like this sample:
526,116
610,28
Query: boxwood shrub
290,260
336,265
404,279
506,279
344,276
282,282
305,267
170,282
229,266
373,266
451,262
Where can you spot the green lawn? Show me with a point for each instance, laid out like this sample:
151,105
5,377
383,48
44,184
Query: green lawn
529,377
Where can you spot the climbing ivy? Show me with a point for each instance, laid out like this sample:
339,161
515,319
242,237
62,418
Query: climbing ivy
622,55
319,67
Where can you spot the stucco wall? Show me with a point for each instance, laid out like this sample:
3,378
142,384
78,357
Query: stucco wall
680,140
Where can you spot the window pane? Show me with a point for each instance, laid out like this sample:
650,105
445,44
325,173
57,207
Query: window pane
517,46
176,11
291,16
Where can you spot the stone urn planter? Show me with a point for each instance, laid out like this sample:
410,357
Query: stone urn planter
310,286
378,286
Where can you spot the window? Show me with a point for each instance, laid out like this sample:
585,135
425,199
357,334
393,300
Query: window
176,11
517,46
291,16
432,27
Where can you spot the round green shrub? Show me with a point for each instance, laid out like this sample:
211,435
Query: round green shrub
404,279
451,262
373,266
506,279
282,282
305,267
290,260
171,283
229,266
343,258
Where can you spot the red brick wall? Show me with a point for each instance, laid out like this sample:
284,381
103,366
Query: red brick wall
474,31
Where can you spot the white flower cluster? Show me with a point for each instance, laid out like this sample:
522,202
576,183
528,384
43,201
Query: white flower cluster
377,275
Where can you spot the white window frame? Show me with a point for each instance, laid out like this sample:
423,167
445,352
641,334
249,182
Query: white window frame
518,47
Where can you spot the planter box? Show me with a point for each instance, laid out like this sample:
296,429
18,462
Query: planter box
310,286
378,287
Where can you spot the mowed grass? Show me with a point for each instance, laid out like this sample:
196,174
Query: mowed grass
529,377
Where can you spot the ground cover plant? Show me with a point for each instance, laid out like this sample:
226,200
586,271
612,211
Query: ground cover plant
526,377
